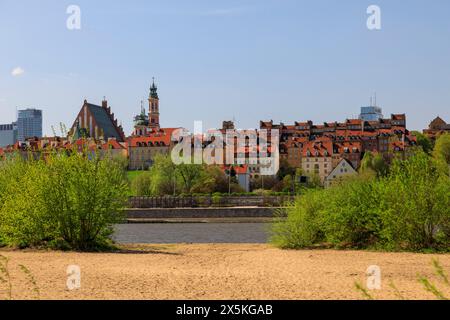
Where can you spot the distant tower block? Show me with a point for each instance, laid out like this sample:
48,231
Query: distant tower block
372,112
153,102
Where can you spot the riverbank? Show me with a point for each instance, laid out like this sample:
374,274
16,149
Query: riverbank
217,271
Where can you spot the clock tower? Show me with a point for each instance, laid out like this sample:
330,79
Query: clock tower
153,102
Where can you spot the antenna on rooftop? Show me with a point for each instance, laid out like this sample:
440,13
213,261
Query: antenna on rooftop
375,97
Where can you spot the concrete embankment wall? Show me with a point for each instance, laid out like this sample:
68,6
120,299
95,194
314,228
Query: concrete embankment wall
203,213
208,201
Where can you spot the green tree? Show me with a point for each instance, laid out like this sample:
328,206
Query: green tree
423,141
164,177
141,185
190,174
85,196
408,209
24,220
288,184
68,198
379,165
415,207
442,148
367,162
373,163
314,181
285,169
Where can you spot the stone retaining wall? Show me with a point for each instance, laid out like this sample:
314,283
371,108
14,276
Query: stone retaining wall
208,201
166,213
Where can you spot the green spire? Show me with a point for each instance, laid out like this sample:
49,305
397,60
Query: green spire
154,90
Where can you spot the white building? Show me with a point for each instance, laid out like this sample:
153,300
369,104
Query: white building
343,169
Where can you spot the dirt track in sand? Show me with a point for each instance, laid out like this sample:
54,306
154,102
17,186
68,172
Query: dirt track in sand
218,271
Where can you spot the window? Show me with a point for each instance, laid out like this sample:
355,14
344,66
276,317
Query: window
316,168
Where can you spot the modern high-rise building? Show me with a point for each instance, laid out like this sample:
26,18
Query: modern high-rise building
8,134
29,124
371,113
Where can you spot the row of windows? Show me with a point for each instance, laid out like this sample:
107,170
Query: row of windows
325,165
150,144
316,171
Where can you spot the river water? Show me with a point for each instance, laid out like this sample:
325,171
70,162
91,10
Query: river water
192,233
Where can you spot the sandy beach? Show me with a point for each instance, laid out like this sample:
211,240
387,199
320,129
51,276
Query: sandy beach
217,271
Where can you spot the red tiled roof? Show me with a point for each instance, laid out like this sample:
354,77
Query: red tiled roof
163,136
354,121
302,124
341,146
398,117
112,144
320,149
239,169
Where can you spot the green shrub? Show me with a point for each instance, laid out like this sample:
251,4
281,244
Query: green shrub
409,209
303,226
24,220
141,184
73,199
350,216
416,199
216,199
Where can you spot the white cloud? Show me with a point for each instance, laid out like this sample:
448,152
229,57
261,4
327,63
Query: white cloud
17,72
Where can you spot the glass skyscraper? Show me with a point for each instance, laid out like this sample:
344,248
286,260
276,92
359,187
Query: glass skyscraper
371,113
29,124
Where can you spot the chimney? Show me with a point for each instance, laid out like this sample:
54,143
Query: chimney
104,103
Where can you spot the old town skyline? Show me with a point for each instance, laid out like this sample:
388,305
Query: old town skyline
217,57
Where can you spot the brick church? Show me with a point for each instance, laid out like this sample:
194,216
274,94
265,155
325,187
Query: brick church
96,122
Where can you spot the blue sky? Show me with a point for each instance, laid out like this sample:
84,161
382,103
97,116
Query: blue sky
214,60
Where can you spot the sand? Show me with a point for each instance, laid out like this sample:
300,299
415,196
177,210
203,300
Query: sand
218,271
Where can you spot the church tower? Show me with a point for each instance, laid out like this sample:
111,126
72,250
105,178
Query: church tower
153,102
141,122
